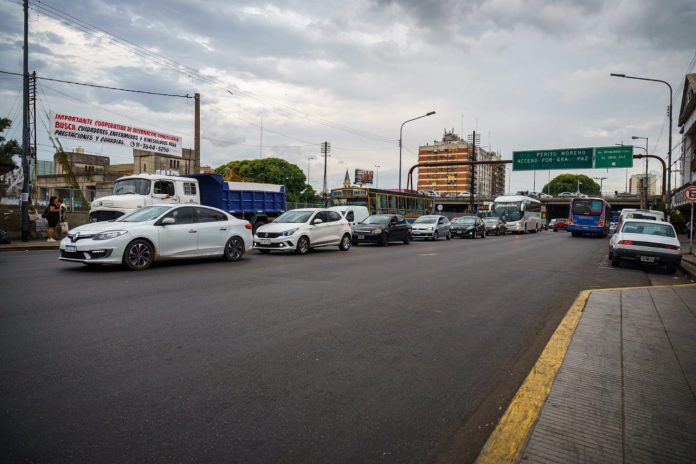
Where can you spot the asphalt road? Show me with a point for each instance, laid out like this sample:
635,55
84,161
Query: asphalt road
408,353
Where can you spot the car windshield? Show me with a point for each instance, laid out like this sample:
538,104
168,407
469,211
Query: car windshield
381,220
465,220
132,186
149,213
508,210
648,228
426,220
294,216
587,207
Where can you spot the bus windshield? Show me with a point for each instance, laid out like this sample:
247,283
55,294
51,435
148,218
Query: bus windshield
587,207
508,210
132,186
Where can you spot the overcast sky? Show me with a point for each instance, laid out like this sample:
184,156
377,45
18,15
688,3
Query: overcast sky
525,74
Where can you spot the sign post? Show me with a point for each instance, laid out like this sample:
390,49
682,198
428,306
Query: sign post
690,196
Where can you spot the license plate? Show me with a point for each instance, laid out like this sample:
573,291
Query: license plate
361,237
647,259
71,248
265,241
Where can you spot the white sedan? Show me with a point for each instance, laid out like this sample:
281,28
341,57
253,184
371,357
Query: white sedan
645,241
158,232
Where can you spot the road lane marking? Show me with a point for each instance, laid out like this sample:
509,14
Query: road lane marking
507,441
428,254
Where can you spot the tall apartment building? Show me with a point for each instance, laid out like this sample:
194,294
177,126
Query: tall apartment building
456,179
635,181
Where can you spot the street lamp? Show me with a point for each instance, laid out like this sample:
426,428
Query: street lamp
601,180
309,158
377,177
401,131
669,148
646,182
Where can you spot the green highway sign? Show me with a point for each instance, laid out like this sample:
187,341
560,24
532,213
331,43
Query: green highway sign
563,158
613,157
573,158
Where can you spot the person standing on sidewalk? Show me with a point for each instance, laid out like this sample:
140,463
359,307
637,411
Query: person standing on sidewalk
53,217
63,218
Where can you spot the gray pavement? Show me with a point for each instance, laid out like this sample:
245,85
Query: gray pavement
626,389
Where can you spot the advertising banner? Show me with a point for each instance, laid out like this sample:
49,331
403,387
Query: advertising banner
86,129
363,177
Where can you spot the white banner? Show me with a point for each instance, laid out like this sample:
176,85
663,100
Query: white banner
101,131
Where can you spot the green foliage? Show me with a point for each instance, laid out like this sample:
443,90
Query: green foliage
272,171
569,183
8,149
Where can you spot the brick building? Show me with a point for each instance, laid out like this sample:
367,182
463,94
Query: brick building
456,179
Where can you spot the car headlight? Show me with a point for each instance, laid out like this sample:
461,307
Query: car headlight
376,231
96,203
430,229
287,233
109,234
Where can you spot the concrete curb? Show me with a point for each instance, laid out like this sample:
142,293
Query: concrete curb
689,268
30,246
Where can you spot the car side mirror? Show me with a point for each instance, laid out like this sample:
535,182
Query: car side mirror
168,220
317,221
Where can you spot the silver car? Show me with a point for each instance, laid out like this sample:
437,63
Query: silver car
431,226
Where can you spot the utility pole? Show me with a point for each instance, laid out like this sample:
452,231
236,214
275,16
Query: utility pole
197,134
261,141
377,178
309,158
325,149
601,184
25,130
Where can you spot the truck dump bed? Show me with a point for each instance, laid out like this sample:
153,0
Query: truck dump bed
240,197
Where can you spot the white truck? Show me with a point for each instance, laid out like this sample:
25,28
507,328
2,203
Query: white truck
255,202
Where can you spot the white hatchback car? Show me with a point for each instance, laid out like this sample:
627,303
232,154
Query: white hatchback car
299,230
157,232
646,241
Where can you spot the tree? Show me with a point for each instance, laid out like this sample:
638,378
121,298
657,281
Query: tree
569,183
7,149
271,171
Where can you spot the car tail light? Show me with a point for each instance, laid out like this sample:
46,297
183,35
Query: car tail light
601,222
570,220
671,247
247,226
625,242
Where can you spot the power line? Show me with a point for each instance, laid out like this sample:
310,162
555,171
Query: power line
84,26
147,92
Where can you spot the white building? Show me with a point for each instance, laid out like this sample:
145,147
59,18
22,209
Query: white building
687,124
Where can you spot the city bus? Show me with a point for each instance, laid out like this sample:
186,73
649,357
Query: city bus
410,205
589,216
521,214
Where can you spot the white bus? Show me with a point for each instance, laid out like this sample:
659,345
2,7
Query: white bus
521,214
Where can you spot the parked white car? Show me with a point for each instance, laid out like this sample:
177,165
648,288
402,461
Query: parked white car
300,230
156,233
646,241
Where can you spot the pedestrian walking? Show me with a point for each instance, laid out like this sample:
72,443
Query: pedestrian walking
52,215
63,218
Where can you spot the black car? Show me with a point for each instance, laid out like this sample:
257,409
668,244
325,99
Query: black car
382,229
495,225
469,227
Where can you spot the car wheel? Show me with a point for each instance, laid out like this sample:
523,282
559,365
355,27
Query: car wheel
384,240
449,235
263,252
555,230
615,262
407,240
484,234
302,246
345,243
138,255
234,249
436,236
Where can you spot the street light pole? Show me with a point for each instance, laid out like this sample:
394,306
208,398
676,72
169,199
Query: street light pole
401,132
377,177
309,158
669,148
601,184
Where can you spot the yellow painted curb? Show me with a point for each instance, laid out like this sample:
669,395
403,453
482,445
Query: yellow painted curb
507,441
510,435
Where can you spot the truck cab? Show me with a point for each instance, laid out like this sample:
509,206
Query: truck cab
133,192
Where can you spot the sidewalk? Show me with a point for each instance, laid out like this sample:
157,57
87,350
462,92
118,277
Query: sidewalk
625,390
688,260
36,244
